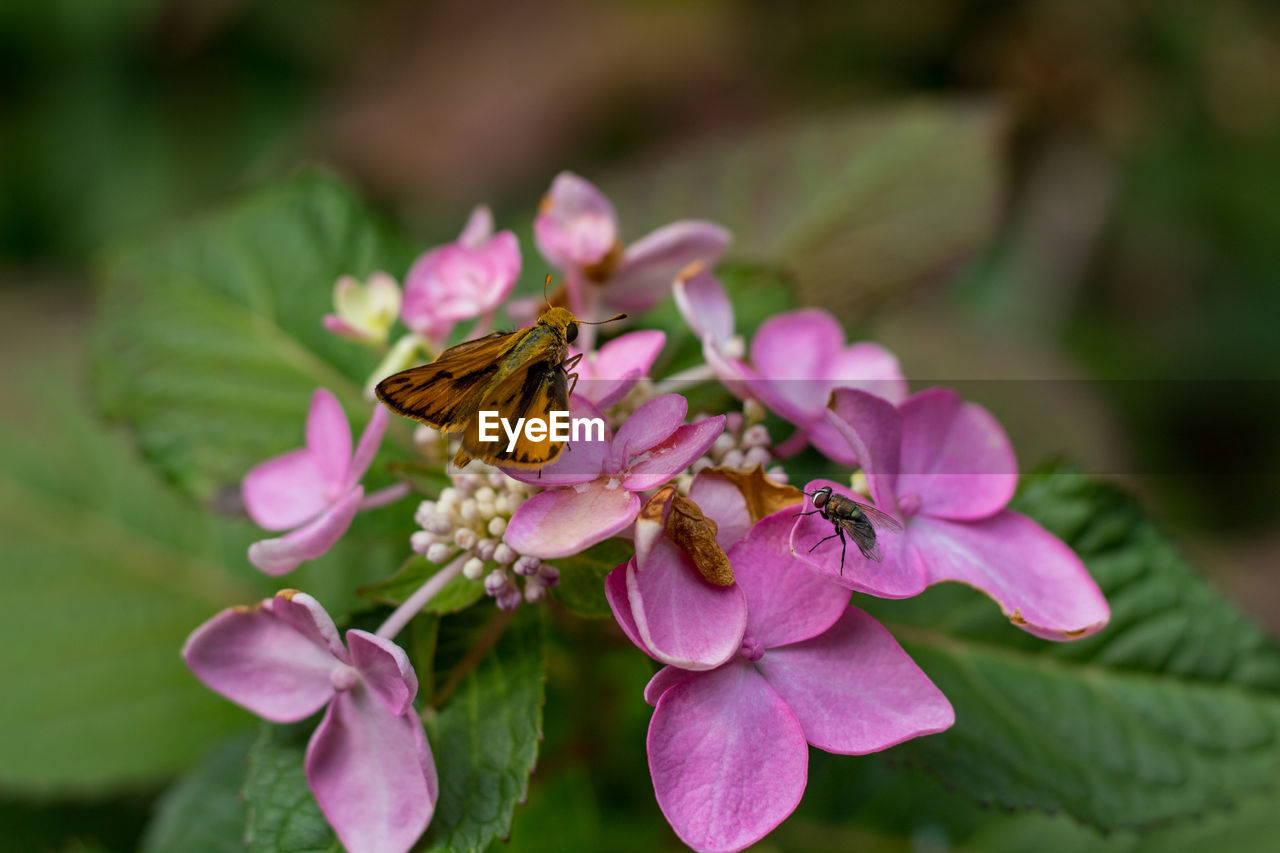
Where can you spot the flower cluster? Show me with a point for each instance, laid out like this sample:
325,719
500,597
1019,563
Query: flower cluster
740,584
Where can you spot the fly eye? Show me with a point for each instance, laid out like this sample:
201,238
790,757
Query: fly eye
571,332
820,497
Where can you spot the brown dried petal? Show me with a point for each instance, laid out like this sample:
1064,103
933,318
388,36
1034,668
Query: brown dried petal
695,534
762,495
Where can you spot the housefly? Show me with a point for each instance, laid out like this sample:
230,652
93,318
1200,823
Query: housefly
857,519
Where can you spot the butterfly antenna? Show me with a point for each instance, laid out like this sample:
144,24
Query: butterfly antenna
602,322
545,284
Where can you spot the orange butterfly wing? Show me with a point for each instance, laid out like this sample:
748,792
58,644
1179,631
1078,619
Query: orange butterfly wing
532,392
446,393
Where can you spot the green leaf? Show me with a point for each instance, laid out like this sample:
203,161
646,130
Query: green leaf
210,342
108,574
283,816
1170,711
581,587
203,811
457,594
485,738
851,206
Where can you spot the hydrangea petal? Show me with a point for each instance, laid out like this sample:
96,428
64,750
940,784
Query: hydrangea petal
370,441
1039,582
620,363
649,265
728,758
793,352
580,462
869,367
615,592
662,681
478,228
679,451
308,617
385,669
284,491
704,304
786,600
854,690
257,660
722,502
283,555
649,425
873,429
369,771
681,618
955,456
899,574
561,522
575,223
328,436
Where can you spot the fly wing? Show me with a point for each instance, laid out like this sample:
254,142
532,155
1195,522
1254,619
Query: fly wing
880,520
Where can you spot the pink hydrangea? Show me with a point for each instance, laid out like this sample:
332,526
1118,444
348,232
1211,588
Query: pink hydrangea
368,763
606,375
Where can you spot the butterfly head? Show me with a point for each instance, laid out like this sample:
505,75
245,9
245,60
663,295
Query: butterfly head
562,320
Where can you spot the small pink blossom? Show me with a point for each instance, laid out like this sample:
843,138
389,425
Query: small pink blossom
946,469
797,359
314,491
591,488
364,312
728,747
577,232
368,763
460,280
606,375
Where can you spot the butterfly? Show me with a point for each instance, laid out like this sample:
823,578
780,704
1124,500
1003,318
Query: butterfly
520,374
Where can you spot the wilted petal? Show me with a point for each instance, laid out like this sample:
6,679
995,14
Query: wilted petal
479,227
873,429
1039,583
854,689
664,461
285,490
728,758
899,574
282,555
955,456
256,659
650,265
370,441
372,774
786,600
704,304
328,436
662,681
575,223
385,669
681,618
561,522
722,502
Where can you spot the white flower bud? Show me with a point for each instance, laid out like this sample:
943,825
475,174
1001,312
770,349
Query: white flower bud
472,569
438,552
497,526
484,549
465,538
420,541
503,554
755,456
534,591
756,435
733,458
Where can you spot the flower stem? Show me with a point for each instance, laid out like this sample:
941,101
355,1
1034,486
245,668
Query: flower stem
589,302
414,603
796,442
382,497
685,379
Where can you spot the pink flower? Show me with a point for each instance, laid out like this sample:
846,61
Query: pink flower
797,359
460,280
313,491
577,232
947,470
368,763
728,747
606,375
591,492
364,312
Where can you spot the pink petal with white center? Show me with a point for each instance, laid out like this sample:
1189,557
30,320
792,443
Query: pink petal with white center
662,681
873,429
682,619
899,574
722,502
648,426
283,555
621,362
1039,583
666,460
308,617
328,436
650,265
955,456
786,600
854,690
257,660
561,522
728,758
704,304
580,462
285,490
793,351
575,223
385,669
869,367
615,592
372,774
370,441
479,227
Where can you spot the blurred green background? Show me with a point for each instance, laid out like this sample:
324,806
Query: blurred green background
1136,252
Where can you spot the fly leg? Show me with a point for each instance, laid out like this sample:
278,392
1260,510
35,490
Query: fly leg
810,512
832,536
843,545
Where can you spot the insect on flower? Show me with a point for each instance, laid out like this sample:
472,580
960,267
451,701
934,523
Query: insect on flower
521,374
853,517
